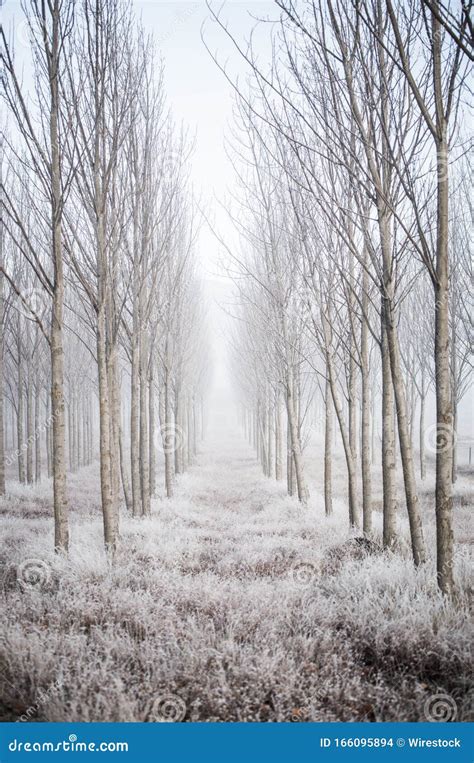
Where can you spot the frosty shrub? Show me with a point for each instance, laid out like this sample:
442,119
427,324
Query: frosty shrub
203,606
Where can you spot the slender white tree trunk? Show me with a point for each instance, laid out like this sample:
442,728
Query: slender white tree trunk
168,429
108,512
20,418
37,429
278,439
422,432
365,417
152,425
303,493
124,474
328,427
144,441
444,410
388,445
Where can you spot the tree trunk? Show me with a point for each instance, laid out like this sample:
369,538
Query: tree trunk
37,430
48,436
388,446
422,435
168,429
115,418
412,501
123,471
303,493
328,426
20,420
134,424
351,469
152,425
365,417
444,413
2,360
30,435
108,509
390,326
352,415
454,470
69,431
144,441
289,459
278,439
270,440
177,433
61,531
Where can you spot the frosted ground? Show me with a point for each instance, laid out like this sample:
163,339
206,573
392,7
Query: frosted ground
229,604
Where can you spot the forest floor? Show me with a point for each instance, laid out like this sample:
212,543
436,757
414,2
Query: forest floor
231,603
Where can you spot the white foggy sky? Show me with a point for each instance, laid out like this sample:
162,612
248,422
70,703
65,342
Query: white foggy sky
201,97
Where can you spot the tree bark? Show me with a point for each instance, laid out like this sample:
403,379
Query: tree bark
422,433
20,418
412,501
134,423
108,509
278,440
444,412
328,427
167,427
152,425
303,493
123,471
61,530
365,416
144,441
37,429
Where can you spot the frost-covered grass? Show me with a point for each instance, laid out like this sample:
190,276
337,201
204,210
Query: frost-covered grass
229,598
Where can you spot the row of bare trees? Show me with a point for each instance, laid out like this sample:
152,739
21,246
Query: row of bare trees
354,268
102,327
